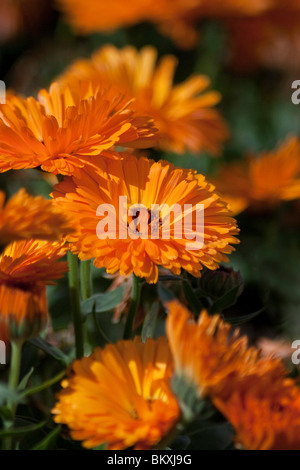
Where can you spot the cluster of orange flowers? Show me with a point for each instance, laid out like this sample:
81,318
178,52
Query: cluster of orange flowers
87,128
31,236
77,128
253,393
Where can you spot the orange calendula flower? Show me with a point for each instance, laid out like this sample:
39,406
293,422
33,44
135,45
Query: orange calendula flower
133,215
265,414
26,267
24,217
262,181
184,114
63,129
211,357
140,411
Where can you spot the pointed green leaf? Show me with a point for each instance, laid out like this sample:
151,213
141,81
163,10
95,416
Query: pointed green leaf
150,322
239,320
51,350
103,302
16,432
25,379
226,301
49,440
7,394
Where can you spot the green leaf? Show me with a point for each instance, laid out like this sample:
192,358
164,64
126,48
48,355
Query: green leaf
180,443
219,289
24,381
6,414
7,394
16,432
102,328
226,301
239,320
103,302
169,277
49,440
150,322
214,437
100,447
50,350
187,395
44,385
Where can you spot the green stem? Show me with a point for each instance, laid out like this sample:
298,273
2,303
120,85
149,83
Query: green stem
13,382
14,371
75,304
43,386
86,279
169,438
134,304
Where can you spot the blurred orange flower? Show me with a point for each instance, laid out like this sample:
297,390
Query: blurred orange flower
184,114
213,358
128,245
104,15
140,411
26,267
265,414
176,18
24,217
64,129
262,182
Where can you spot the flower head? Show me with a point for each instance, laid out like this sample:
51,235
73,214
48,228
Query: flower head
265,414
63,129
262,181
184,114
24,217
149,214
211,357
140,411
26,267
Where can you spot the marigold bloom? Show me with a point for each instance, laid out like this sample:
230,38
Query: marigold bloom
129,245
63,129
265,414
140,411
25,217
212,359
262,181
26,267
184,114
